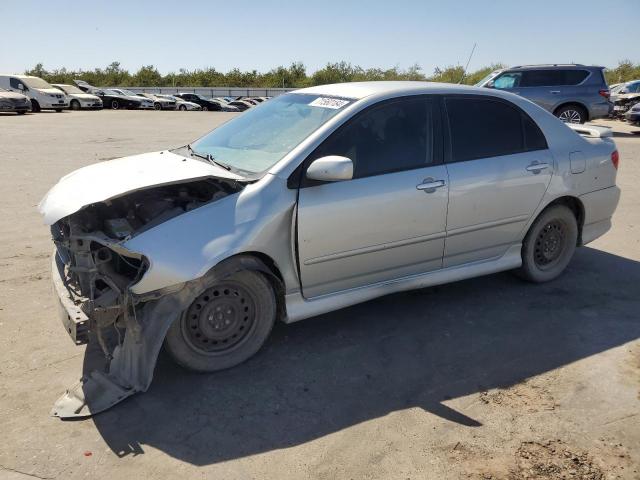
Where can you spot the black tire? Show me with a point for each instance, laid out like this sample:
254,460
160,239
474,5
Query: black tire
58,110
549,245
75,105
205,108
572,114
225,325
35,106
21,112
182,108
115,105
157,106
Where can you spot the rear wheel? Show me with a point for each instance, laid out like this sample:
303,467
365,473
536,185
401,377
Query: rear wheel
21,112
225,325
58,110
572,114
549,245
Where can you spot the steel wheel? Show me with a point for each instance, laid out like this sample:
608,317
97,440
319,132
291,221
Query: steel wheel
220,319
225,324
549,245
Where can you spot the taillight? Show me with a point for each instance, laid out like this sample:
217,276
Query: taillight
615,158
605,93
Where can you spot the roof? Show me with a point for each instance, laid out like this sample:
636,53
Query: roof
358,90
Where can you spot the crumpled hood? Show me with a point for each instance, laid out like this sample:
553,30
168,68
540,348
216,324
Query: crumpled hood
107,180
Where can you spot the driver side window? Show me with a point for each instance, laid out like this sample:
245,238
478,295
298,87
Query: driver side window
507,80
393,136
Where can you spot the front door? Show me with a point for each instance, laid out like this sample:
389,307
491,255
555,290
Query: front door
383,224
499,169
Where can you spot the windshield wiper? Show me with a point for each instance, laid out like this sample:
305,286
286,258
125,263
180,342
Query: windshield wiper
208,157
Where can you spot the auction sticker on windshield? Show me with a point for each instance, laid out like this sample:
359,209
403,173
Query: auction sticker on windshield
326,102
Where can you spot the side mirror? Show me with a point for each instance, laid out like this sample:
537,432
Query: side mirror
20,86
332,168
489,84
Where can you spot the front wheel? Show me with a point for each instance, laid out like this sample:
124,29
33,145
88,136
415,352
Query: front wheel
157,106
205,108
115,105
225,325
549,245
182,108
75,105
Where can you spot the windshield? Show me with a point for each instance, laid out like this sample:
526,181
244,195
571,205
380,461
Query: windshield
128,92
257,139
70,89
111,92
486,79
35,82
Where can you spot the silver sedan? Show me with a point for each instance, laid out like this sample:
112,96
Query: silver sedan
313,201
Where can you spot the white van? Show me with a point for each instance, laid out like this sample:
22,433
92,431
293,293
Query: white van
42,95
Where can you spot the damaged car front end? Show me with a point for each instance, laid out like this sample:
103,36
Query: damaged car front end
93,270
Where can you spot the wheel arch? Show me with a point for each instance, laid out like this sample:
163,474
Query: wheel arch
575,205
257,261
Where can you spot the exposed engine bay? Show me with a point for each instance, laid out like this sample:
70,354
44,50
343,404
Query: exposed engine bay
98,271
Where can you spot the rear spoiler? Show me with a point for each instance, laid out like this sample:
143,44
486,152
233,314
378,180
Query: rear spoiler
592,131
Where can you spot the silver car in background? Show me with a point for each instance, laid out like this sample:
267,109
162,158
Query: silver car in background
313,201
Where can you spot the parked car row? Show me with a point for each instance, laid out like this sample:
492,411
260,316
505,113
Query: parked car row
23,93
626,101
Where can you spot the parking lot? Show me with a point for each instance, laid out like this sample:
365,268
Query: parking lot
489,378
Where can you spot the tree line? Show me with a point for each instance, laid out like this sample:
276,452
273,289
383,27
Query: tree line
293,76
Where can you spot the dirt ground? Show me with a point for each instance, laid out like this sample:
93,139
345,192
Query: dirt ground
489,378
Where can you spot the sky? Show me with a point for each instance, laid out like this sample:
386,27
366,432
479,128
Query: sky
263,34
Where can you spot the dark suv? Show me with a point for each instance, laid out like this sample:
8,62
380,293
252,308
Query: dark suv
574,93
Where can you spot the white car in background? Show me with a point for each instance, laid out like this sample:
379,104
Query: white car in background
145,103
182,105
42,95
79,99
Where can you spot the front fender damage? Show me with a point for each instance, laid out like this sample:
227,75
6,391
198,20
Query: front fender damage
93,273
132,362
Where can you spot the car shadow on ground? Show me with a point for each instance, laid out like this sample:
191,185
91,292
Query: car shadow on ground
414,349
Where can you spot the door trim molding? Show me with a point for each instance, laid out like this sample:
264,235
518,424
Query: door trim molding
483,226
374,248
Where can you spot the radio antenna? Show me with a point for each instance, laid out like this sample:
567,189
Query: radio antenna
464,72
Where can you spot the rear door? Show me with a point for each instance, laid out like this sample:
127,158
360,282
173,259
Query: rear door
384,223
499,169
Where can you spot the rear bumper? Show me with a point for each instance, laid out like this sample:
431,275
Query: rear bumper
600,110
599,207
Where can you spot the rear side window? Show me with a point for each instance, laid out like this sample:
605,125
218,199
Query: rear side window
574,77
552,78
482,127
